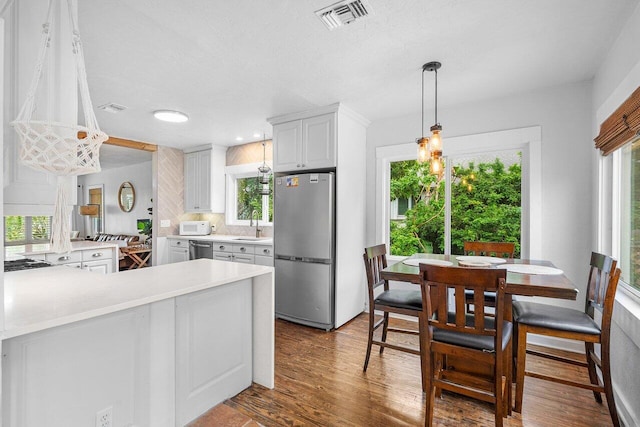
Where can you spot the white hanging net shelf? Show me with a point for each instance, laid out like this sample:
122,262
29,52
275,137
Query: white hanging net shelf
64,149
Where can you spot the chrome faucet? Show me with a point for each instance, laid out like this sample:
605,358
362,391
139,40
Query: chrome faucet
258,230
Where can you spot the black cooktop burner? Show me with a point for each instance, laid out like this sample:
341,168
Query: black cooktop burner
24,264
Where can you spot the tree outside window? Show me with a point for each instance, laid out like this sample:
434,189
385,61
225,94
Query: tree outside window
26,229
485,204
250,199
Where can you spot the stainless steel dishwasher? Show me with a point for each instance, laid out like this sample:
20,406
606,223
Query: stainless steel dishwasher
200,249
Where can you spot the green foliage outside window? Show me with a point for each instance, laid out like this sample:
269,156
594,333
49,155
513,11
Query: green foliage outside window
14,229
485,206
250,199
26,229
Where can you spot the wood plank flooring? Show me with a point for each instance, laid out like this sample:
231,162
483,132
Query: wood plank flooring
319,382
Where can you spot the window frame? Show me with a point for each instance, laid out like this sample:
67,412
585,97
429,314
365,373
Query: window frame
233,173
28,232
527,140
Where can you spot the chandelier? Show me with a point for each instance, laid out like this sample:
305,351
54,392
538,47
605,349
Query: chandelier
430,149
264,170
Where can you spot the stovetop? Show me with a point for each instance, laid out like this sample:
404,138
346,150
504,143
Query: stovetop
24,264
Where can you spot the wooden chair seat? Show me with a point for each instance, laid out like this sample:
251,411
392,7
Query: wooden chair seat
400,298
542,319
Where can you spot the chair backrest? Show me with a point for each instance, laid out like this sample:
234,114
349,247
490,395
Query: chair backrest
499,249
375,260
436,284
602,285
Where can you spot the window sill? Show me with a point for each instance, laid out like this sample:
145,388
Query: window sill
626,312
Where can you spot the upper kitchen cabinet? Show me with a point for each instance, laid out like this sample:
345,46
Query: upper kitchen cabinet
204,177
303,144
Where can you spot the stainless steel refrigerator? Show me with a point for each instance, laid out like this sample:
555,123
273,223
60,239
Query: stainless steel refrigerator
304,247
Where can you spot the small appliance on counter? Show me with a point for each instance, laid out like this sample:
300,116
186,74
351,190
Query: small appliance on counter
195,228
24,264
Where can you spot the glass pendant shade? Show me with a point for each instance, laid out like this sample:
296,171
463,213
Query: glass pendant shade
423,149
435,166
435,142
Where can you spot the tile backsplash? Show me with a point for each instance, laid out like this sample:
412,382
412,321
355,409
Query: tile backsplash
222,228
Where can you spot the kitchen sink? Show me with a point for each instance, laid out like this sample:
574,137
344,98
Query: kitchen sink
251,239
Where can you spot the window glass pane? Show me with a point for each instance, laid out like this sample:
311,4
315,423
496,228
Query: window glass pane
250,199
14,229
422,228
40,228
403,206
630,214
486,199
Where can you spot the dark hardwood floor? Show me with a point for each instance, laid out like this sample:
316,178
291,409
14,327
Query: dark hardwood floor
319,382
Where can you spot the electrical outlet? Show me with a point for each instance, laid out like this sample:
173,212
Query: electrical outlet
165,223
213,228
104,418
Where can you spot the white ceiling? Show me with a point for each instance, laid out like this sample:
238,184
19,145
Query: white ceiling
230,65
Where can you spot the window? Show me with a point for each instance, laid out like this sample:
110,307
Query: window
485,203
629,213
493,193
20,230
244,198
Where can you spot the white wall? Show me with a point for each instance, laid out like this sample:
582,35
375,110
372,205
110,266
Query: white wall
117,221
617,78
563,113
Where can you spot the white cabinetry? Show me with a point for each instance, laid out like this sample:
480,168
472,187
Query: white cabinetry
304,144
236,252
263,255
204,180
96,260
178,250
332,137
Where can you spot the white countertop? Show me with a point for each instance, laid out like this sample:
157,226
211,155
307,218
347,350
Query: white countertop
47,297
44,248
227,238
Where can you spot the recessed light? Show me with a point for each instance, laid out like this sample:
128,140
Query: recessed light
239,138
256,135
170,116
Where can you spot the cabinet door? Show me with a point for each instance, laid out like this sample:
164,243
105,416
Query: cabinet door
287,146
245,259
204,181
263,260
190,181
103,266
178,254
319,142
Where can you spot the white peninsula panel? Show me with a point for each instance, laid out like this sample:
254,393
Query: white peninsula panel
153,347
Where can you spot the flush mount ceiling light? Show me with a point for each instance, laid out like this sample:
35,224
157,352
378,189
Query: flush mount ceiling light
431,148
170,116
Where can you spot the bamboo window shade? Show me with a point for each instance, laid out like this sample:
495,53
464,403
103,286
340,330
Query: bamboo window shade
621,126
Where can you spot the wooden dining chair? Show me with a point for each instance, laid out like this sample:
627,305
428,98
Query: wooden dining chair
399,301
475,338
497,249
560,322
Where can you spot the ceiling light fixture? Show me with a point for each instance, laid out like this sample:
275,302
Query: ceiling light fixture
264,170
170,116
239,138
431,148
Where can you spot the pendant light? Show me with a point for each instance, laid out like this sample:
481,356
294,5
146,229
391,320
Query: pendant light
431,148
264,170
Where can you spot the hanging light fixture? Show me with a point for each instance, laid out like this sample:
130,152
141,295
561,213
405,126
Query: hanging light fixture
431,148
264,170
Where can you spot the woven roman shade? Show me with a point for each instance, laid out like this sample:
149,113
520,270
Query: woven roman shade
621,126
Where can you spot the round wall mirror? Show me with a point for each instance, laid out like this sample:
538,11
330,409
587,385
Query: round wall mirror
126,196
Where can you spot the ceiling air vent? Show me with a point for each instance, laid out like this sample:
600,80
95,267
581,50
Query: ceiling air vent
343,13
112,108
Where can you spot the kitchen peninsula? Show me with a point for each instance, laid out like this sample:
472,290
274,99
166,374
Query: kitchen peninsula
156,346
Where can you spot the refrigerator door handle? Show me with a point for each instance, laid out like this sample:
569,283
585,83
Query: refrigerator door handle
303,259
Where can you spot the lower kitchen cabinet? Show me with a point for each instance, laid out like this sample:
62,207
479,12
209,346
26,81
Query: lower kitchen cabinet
95,260
178,250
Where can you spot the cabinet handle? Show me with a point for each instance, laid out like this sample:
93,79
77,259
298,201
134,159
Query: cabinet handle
63,258
303,165
243,249
221,248
266,251
298,165
178,243
96,254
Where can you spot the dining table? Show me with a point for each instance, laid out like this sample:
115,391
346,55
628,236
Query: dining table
524,277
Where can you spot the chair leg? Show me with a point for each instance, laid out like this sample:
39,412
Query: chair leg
591,366
608,387
370,342
520,366
507,366
499,386
385,326
425,356
430,390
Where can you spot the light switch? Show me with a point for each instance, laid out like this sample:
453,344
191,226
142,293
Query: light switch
165,223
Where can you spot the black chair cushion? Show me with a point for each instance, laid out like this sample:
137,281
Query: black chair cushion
552,317
478,342
401,298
